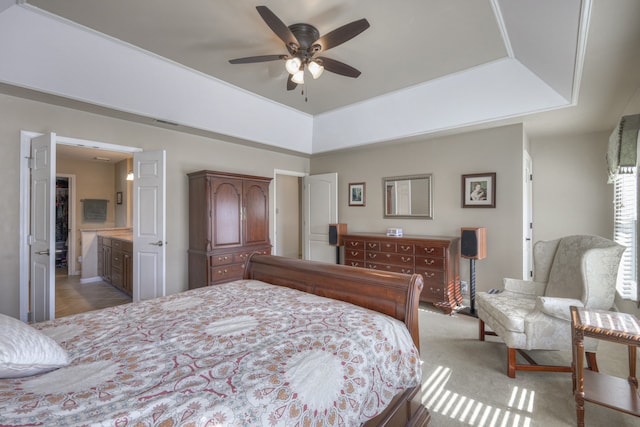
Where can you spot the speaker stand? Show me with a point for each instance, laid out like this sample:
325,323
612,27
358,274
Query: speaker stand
337,254
471,310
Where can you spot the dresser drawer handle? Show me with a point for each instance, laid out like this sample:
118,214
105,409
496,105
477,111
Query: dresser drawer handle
372,245
354,243
408,271
388,256
221,272
429,250
372,256
224,258
407,259
429,275
388,245
405,248
429,261
355,253
355,264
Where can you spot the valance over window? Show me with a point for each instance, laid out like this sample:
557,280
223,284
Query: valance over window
623,146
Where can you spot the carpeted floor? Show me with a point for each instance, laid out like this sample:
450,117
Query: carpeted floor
465,380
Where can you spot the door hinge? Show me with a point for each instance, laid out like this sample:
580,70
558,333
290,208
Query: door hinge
531,226
530,177
30,239
29,162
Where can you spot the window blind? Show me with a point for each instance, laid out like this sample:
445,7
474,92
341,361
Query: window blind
624,231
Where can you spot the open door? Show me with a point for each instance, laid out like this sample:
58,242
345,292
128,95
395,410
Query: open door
42,228
320,208
149,229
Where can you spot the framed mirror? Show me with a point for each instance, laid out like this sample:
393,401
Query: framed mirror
408,196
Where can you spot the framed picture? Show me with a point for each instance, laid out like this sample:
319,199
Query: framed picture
357,193
479,190
119,197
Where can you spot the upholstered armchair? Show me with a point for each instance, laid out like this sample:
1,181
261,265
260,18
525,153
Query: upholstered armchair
535,315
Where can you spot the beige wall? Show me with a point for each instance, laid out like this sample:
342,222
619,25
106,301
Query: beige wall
494,150
570,194
185,153
570,190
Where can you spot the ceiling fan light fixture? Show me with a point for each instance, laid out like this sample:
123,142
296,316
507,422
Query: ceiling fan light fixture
293,65
298,77
315,69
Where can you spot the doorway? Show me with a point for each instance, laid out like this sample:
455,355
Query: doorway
91,173
37,221
288,224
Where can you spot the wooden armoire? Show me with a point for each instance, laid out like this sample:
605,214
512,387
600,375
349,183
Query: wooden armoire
228,221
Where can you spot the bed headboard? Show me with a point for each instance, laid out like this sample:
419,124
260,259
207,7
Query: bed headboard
393,294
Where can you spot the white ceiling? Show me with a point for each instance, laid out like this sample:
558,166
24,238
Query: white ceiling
428,66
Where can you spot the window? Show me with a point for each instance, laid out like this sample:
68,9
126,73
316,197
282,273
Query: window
625,231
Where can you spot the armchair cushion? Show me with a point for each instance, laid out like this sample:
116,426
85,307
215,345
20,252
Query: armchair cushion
557,307
527,287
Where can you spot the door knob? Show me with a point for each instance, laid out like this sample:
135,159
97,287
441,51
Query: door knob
158,243
45,252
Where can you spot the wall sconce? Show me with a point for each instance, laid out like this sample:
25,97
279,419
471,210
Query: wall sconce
130,176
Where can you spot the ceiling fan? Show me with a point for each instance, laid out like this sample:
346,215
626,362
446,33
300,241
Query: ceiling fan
304,44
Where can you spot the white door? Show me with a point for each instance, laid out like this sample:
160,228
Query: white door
42,228
320,208
527,226
149,230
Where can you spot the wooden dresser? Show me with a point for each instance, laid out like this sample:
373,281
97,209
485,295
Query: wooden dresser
436,258
228,221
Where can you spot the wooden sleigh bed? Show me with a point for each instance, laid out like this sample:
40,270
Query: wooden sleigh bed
160,362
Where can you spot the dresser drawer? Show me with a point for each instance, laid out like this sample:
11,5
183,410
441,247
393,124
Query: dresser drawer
431,277
405,248
225,273
432,293
354,254
244,256
429,262
388,267
390,258
430,250
372,246
221,259
354,263
353,244
388,246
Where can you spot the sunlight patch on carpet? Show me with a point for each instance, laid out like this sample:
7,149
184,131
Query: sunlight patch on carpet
438,399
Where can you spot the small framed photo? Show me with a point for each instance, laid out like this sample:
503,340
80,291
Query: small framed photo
357,193
119,197
479,190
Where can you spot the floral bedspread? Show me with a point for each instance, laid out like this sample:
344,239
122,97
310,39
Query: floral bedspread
238,354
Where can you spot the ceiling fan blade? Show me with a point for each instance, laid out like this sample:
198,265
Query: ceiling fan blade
342,34
339,67
291,85
252,59
277,26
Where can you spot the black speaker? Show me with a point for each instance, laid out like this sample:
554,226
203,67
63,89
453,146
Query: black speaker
335,233
473,242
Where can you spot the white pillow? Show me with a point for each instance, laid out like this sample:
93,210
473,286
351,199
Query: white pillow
26,351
